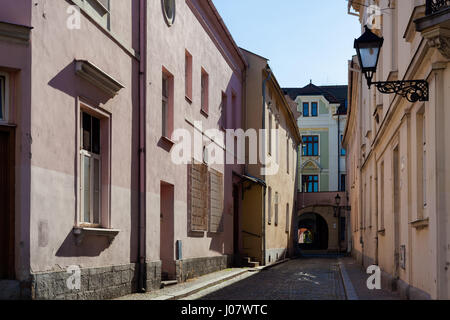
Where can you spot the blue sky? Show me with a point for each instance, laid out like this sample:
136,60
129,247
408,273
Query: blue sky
303,39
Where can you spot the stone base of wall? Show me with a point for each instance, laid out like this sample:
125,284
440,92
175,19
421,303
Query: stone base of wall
388,282
275,255
153,276
96,284
197,267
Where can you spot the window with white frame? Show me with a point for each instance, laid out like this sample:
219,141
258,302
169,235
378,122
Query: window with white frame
91,177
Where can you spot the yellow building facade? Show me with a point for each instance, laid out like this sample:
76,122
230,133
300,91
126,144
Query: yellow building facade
269,195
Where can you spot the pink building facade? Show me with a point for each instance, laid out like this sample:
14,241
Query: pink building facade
92,92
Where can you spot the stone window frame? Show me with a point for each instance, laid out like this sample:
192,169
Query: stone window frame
167,118
188,75
105,165
4,96
204,94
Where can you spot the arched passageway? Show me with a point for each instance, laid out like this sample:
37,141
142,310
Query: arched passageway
312,232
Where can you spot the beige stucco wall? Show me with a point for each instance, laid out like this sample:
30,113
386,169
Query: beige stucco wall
370,144
56,92
194,30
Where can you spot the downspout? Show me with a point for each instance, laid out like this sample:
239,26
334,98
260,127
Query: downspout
264,154
142,142
339,149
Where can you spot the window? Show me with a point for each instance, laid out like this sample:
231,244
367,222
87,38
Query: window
277,143
310,183
288,150
422,161
98,10
216,199
205,92
276,207
234,111
306,109
224,109
287,217
167,105
270,134
3,97
91,178
342,184
310,146
188,75
343,151
269,220
314,109
169,9
197,200
382,196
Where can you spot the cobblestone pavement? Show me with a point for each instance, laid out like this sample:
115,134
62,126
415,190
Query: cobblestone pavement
300,279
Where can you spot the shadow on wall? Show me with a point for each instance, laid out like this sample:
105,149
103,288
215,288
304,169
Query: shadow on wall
91,246
69,83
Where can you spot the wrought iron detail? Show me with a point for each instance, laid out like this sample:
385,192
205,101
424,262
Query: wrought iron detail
413,90
433,6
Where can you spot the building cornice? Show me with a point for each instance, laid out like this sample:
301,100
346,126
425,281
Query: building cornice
97,77
15,33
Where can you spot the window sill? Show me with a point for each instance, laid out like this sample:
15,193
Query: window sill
81,232
382,232
420,223
166,143
204,113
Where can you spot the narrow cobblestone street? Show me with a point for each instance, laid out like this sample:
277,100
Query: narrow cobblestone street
300,279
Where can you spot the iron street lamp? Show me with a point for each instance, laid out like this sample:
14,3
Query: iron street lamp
368,48
338,202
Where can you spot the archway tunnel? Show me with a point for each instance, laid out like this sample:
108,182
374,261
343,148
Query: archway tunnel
312,232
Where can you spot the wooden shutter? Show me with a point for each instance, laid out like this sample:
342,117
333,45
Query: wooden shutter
197,192
216,199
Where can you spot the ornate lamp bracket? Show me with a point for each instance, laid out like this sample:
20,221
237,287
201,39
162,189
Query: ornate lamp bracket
412,90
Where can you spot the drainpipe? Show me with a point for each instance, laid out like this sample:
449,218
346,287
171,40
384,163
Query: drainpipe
339,149
264,146
142,143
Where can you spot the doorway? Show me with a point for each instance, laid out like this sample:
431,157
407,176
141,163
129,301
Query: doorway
236,219
7,203
396,170
167,232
